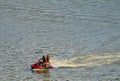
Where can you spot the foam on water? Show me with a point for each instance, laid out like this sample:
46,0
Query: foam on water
87,61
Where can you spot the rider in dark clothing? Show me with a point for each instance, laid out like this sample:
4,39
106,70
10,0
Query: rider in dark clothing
44,61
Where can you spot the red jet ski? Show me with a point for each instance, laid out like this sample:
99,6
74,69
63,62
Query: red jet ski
39,65
43,63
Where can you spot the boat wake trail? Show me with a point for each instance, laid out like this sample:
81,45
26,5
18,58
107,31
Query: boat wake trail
63,64
87,61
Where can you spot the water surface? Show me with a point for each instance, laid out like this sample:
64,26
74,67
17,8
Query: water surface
81,36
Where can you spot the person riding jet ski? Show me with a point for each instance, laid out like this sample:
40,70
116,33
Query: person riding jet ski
43,63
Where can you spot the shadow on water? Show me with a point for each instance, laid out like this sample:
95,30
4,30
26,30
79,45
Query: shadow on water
49,74
43,74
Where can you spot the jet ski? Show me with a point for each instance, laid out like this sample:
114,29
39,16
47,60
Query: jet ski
39,65
42,63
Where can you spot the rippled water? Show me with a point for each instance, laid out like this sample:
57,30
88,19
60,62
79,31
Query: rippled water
81,36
